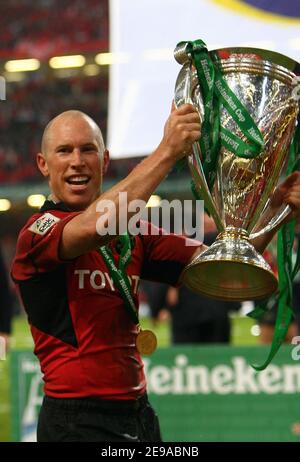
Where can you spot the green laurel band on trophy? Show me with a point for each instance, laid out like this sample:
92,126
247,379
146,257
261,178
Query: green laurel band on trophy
248,101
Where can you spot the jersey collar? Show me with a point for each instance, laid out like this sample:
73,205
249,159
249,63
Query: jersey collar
50,205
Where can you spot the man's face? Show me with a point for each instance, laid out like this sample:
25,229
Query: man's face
73,162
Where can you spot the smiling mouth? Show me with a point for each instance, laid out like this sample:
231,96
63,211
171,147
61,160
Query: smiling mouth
78,180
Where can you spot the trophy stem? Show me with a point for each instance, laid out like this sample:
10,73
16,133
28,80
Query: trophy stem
231,269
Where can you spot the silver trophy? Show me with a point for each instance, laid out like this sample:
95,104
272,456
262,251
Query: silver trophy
267,84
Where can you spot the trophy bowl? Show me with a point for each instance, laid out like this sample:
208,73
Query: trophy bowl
266,84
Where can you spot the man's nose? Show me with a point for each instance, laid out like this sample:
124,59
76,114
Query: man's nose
77,158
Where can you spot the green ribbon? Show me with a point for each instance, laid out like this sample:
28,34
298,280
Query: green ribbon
286,271
215,94
119,275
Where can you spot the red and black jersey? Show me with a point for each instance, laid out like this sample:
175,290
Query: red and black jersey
84,338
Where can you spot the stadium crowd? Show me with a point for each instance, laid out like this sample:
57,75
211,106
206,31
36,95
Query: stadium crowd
29,104
75,26
43,29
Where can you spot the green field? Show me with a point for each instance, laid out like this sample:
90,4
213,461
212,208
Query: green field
21,339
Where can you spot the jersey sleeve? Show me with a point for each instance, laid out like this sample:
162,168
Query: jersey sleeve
165,255
38,245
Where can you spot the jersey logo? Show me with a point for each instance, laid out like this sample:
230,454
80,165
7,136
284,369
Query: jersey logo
43,224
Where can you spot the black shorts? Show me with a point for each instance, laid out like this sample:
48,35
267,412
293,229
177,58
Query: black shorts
95,420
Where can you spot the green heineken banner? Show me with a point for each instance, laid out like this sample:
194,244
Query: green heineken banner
26,395
200,394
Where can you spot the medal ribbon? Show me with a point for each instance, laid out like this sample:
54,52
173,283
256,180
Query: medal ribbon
119,275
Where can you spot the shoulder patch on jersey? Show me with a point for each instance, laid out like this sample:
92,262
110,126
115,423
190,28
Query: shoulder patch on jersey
43,224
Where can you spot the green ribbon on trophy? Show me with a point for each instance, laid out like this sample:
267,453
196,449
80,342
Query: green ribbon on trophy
146,341
248,143
216,92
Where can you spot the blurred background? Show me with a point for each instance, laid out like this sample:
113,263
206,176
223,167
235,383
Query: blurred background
114,61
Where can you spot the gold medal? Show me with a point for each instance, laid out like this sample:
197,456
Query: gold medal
146,342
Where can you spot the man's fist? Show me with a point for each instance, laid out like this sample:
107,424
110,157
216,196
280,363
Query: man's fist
181,130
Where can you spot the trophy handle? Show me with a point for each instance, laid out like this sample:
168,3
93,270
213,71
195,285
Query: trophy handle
202,187
281,215
183,96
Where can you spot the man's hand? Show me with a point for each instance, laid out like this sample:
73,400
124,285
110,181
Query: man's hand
4,344
288,192
181,130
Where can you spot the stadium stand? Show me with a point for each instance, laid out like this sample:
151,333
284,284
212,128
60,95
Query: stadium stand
30,105
45,28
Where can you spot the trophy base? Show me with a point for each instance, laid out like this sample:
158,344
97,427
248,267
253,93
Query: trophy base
231,269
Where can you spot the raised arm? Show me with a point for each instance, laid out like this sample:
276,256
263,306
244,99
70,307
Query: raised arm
181,130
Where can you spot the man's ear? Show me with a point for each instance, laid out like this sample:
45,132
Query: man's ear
105,161
42,164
